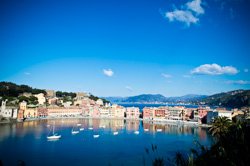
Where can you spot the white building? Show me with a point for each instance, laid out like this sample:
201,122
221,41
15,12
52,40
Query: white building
41,98
8,112
225,113
99,102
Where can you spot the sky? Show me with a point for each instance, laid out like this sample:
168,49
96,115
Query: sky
126,47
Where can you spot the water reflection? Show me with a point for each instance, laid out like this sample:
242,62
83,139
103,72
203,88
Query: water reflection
37,128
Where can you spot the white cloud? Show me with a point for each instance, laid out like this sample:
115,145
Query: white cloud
108,72
129,88
182,16
166,75
246,70
195,6
214,69
240,82
27,73
188,14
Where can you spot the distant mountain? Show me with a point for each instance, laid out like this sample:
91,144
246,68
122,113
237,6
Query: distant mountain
146,98
232,99
186,98
152,98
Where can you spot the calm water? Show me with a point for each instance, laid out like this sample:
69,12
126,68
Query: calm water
27,141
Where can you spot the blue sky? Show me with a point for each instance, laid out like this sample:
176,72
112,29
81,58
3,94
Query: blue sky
126,47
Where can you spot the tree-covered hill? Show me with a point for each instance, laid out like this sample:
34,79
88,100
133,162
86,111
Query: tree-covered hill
9,89
232,99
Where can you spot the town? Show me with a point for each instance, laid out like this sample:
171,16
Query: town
83,105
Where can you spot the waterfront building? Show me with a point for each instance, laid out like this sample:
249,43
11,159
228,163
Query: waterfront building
148,113
50,93
211,115
105,112
224,113
117,111
55,111
202,112
42,112
41,99
175,113
132,112
31,112
8,112
160,112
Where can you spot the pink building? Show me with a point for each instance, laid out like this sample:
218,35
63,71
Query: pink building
148,113
132,112
202,112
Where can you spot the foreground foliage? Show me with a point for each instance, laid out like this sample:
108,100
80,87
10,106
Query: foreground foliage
231,147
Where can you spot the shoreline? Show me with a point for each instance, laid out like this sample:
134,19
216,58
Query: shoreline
155,121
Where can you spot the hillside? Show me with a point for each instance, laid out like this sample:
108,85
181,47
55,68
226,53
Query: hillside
151,98
10,89
232,99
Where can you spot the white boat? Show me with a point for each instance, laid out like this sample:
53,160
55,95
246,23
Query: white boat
48,125
115,133
81,129
146,129
96,136
137,132
79,124
74,132
54,135
90,128
159,130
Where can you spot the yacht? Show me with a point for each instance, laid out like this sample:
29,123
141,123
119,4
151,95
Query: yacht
54,135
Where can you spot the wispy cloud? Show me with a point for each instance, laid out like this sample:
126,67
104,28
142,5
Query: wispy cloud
108,72
239,82
189,14
214,69
129,88
27,73
166,75
246,70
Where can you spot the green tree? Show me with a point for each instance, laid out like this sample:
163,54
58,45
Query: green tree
220,127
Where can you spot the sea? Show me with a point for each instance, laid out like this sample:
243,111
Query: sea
26,142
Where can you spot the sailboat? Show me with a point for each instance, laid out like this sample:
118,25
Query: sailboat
54,135
74,131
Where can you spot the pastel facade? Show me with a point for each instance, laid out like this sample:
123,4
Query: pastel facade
105,112
8,112
31,113
148,113
117,111
64,112
132,112
41,98
159,113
